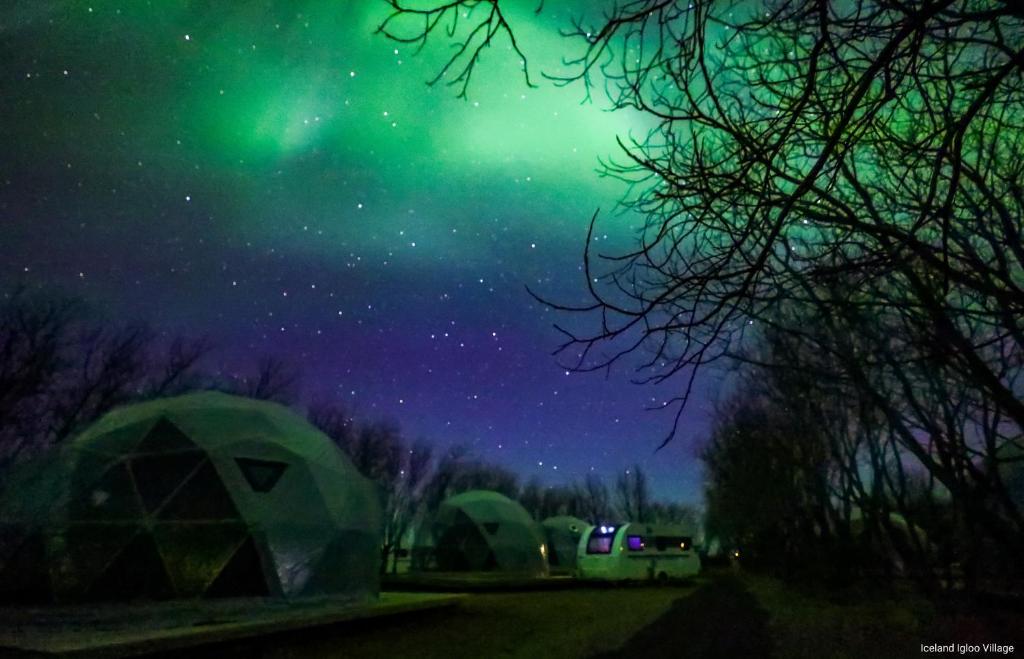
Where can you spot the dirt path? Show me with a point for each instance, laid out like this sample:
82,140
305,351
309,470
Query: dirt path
720,619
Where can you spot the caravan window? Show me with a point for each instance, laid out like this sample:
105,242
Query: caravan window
669,542
600,540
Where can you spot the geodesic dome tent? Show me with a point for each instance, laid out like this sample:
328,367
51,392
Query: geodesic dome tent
202,495
563,534
482,531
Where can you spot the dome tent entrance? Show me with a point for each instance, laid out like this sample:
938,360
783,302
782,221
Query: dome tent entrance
482,531
202,495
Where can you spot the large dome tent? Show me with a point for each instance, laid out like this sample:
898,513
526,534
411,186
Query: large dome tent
201,495
483,531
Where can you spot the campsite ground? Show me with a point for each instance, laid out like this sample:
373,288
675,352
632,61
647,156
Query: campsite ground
721,615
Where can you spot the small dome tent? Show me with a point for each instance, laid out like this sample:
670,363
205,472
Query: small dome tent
563,534
482,531
201,495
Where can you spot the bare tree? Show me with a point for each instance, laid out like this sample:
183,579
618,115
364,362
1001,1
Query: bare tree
60,370
595,502
531,496
849,174
178,369
400,469
543,502
472,24
633,495
34,337
666,512
275,379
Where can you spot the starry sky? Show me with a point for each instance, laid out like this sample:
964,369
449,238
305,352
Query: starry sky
274,176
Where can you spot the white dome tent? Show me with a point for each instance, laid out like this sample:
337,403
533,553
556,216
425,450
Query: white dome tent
483,531
198,496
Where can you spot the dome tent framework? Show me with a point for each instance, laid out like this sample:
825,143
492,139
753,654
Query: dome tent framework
203,495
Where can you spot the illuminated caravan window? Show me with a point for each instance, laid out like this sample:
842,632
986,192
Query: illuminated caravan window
635,542
600,540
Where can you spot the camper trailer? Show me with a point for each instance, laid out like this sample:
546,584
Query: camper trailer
634,551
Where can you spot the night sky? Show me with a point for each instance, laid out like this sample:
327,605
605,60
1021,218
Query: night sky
274,176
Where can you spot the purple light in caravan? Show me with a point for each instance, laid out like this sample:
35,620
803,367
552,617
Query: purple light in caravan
635,542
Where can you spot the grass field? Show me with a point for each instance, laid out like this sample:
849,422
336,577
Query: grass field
557,623
884,623
720,615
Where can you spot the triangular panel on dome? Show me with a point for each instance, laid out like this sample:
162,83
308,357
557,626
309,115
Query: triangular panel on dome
137,572
242,575
294,550
164,436
347,564
158,475
262,475
461,546
120,440
111,496
216,425
87,549
295,498
203,496
352,506
195,554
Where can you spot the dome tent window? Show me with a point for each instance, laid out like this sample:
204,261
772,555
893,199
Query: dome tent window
262,475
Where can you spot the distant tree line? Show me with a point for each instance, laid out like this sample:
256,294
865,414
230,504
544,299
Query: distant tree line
414,480
62,367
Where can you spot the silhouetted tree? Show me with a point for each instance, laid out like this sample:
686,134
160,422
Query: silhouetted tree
595,501
60,370
543,502
275,379
851,174
473,23
380,452
633,495
667,512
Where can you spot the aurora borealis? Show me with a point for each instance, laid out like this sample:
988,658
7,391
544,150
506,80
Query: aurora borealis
275,176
